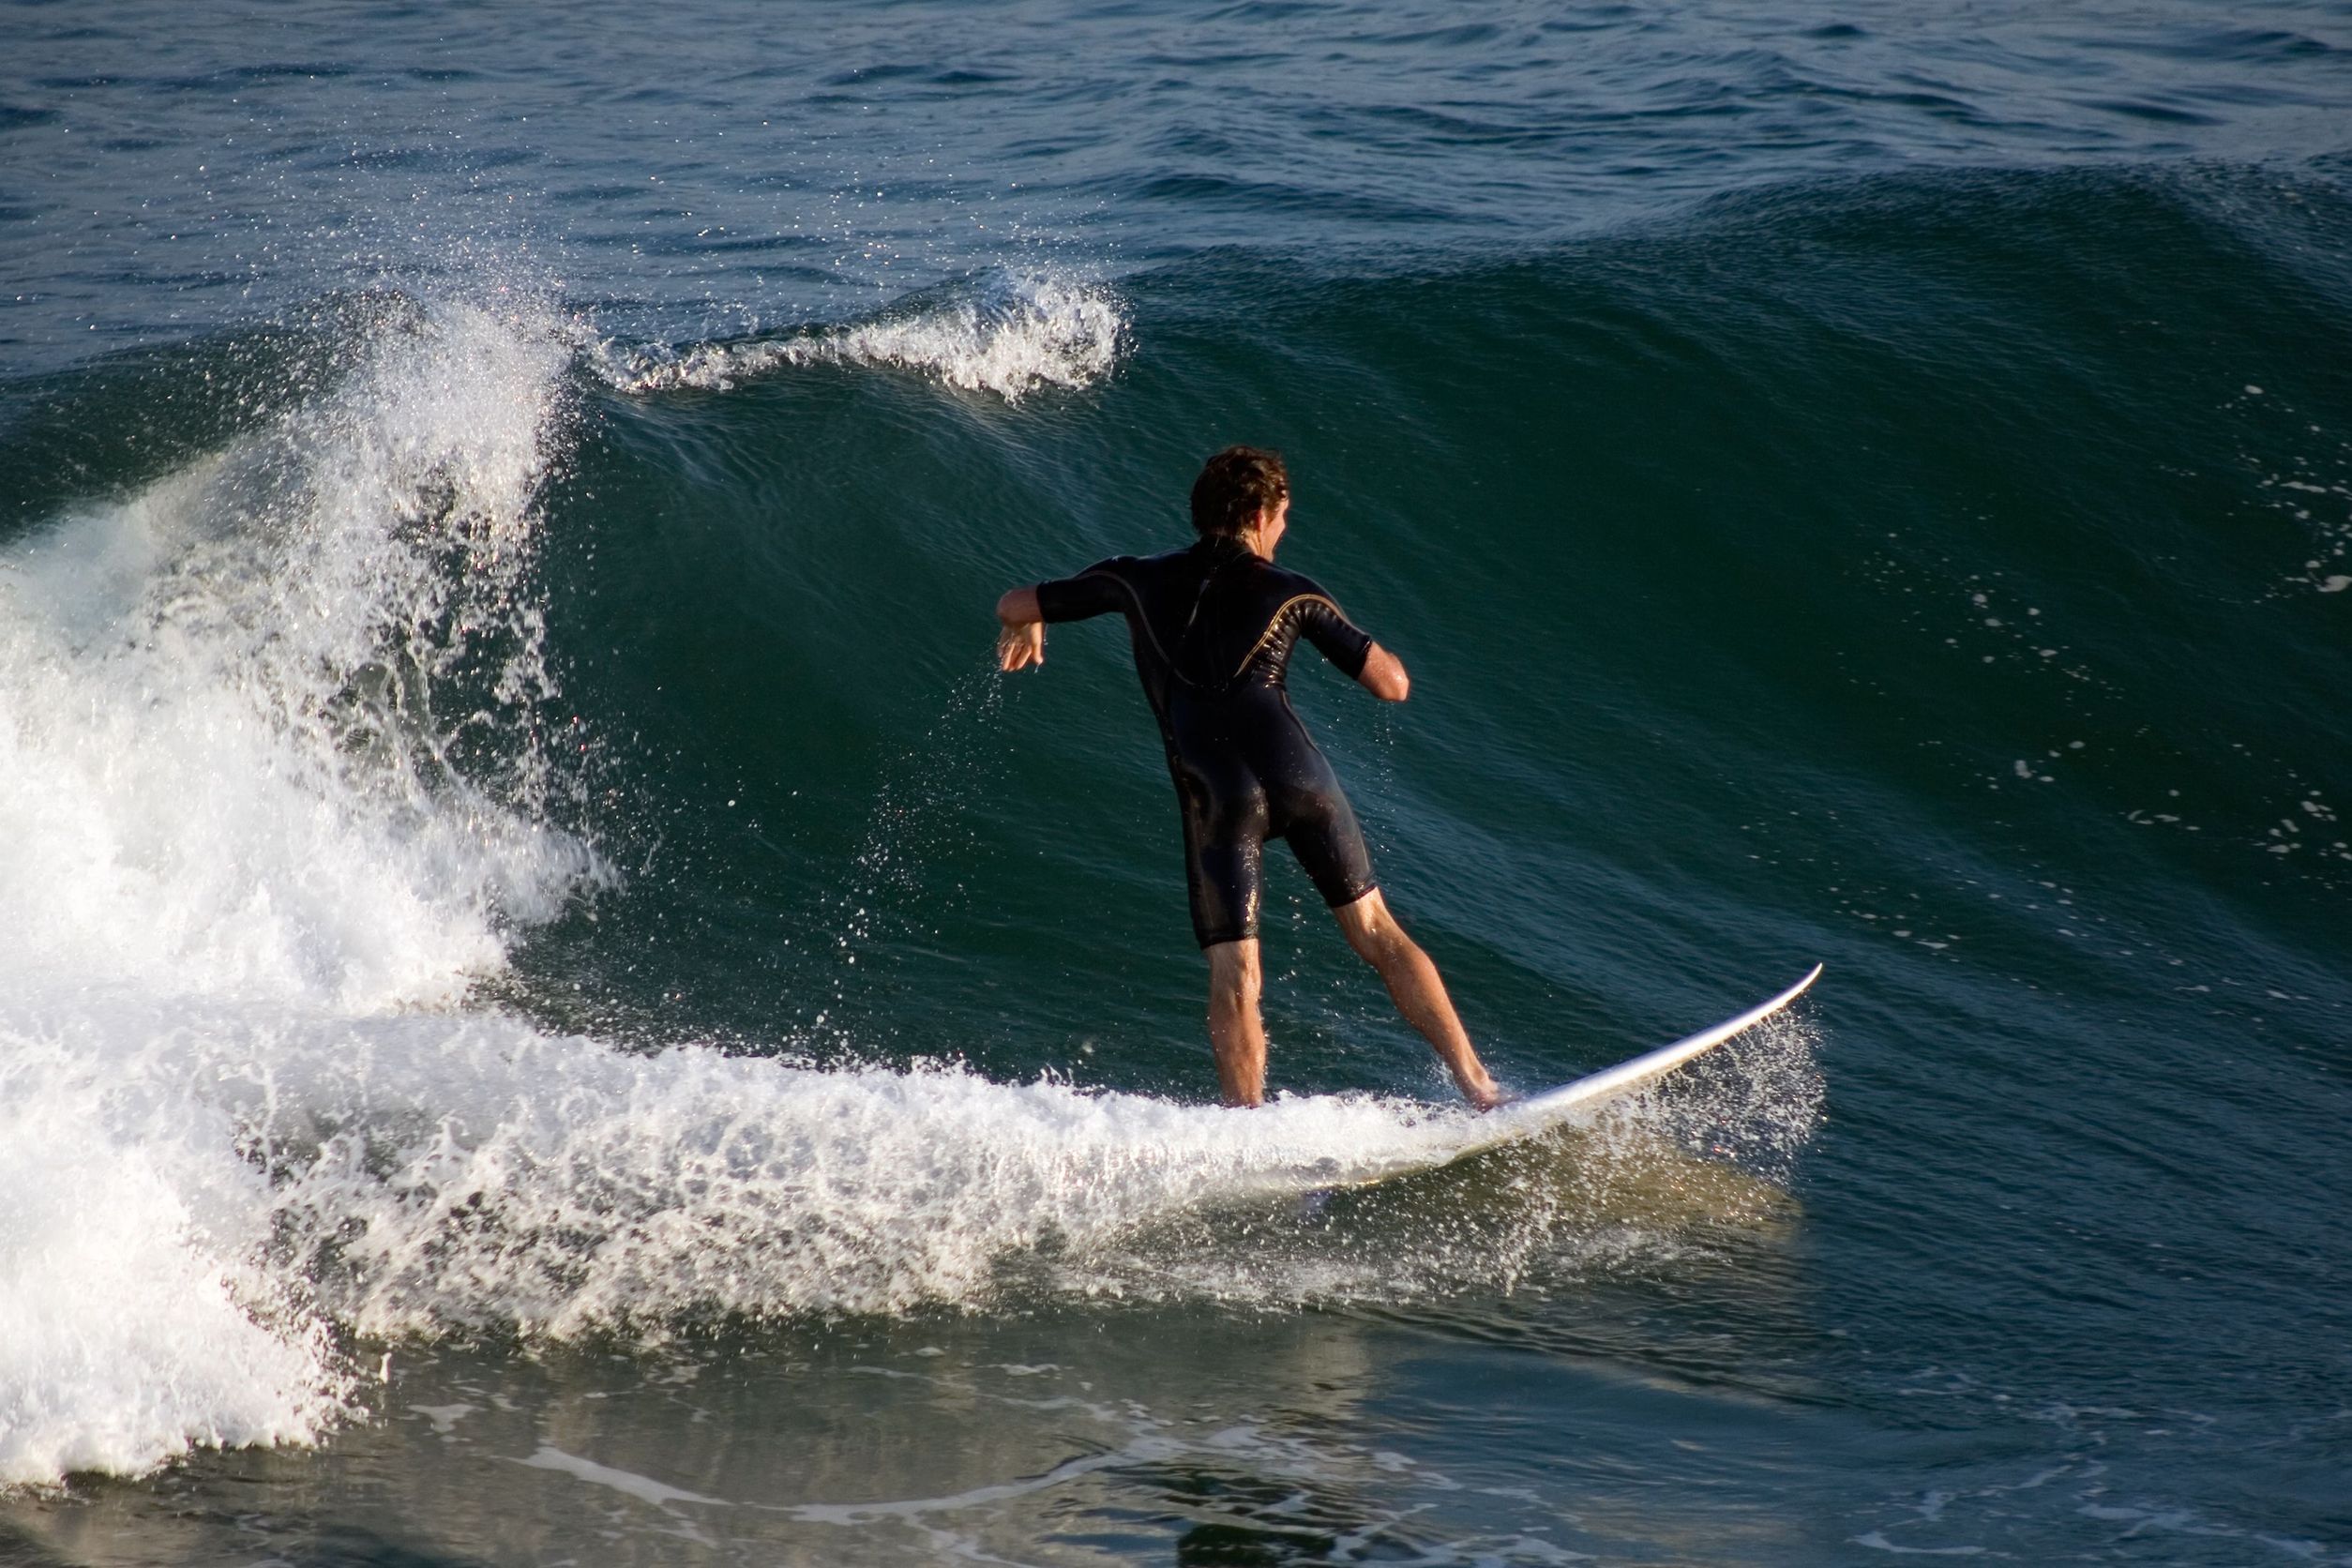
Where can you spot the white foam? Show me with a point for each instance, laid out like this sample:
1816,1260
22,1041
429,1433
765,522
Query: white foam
419,1173
135,1317
225,783
1010,336
205,1194
457,1173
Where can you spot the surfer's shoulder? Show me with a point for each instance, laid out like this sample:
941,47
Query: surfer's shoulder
1290,586
1121,568
1165,560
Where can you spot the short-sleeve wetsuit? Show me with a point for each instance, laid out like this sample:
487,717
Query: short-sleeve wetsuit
1213,627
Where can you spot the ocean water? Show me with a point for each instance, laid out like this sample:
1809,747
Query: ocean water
553,1008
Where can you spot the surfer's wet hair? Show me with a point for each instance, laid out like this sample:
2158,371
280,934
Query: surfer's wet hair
1234,487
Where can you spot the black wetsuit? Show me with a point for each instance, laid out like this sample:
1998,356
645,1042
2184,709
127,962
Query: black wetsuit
1213,627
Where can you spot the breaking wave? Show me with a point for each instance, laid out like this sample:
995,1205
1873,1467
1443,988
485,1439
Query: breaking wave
287,773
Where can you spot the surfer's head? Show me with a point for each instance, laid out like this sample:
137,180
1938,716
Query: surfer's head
1236,488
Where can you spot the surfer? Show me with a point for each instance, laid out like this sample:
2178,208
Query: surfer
1213,625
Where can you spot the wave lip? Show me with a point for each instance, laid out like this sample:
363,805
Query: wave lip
1011,335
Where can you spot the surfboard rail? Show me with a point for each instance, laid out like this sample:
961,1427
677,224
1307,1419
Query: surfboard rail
1626,1075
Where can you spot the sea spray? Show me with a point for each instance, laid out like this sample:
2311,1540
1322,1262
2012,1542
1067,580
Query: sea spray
271,725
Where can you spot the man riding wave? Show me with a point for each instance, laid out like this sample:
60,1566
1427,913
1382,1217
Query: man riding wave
1213,627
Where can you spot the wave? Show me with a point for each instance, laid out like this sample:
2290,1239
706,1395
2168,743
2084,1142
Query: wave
138,1316
274,738
288,774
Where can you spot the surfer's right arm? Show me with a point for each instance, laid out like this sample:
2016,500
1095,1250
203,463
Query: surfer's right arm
1021,633
1340,640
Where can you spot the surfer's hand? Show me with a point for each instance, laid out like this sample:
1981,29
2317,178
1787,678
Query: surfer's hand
1383,675
1017,647
1020,638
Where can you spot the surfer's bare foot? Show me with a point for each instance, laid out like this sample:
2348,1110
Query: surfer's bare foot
1414,985
1484,1095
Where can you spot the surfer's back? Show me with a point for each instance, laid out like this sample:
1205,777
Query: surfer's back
1210,619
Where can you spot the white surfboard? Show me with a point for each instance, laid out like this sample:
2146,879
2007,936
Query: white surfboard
1550,1108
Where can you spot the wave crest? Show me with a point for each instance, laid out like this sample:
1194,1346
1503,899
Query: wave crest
1010,337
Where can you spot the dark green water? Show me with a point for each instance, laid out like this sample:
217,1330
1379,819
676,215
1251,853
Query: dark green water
559,1010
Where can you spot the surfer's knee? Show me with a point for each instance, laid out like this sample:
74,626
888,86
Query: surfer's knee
1371,930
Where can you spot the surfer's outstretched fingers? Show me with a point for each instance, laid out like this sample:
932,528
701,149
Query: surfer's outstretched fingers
1018,647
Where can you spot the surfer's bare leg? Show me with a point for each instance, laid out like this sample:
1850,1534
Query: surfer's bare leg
1237,1034
1414,985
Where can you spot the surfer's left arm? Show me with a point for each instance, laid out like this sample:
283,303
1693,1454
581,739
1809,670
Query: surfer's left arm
1022,614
